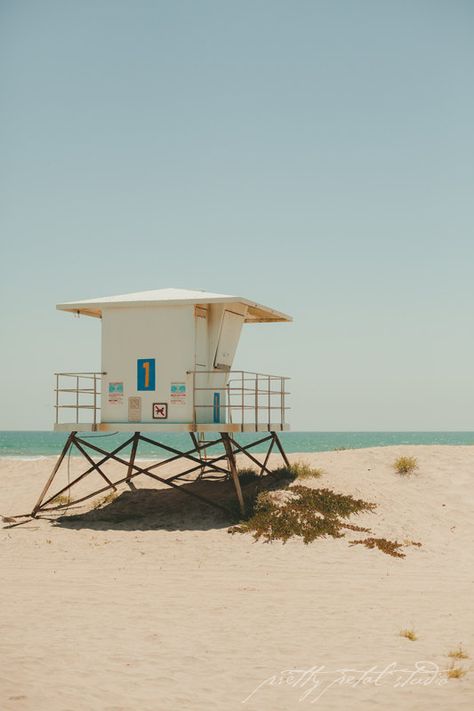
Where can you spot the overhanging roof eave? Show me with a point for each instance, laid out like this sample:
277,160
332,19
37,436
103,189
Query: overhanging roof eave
256,312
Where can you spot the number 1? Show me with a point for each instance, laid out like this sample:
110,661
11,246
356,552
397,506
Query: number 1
146,374
146,365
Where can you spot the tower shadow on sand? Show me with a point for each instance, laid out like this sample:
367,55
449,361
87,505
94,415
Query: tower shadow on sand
167,509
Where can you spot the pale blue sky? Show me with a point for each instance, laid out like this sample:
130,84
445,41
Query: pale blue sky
315,156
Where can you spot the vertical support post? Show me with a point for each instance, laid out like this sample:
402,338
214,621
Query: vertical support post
136,439
267,457
66,447
196,442
242,385
233,469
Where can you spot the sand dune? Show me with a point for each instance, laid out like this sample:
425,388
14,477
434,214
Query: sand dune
162,609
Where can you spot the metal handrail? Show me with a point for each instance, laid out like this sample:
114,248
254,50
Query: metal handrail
247,397
244,372
246,393
79,390
84,374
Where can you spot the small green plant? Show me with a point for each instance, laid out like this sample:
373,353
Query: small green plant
389,547
301,470
455,672
107,499
246,476
405,465
359,529
61,500
383,544
298,470
458,653
409,634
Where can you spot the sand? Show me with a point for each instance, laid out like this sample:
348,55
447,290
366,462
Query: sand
168,611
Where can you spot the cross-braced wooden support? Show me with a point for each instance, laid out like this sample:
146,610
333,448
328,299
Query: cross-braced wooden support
224,465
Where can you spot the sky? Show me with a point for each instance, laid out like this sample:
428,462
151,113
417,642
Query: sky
315,156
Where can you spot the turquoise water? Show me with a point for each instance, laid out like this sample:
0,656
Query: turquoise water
35,444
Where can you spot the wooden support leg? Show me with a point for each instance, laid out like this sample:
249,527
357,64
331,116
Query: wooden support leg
66,448
282,451
108,455
233,469
267,457
198,450
136,439
95,466
244,450
133,470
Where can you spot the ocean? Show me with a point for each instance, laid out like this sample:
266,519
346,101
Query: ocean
32,444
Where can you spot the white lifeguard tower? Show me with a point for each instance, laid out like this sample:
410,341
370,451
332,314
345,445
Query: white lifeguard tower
166,366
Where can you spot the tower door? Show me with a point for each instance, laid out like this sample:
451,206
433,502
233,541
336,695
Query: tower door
229,335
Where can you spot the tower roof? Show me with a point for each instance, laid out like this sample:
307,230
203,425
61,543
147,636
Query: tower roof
171,297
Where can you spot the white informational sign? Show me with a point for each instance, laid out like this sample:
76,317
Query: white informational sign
115,393
134,409
178,394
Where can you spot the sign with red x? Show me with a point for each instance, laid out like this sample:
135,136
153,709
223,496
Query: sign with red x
160,410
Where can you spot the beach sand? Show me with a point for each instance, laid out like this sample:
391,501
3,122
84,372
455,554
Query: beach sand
168,611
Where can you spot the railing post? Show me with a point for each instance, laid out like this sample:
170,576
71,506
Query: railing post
57,398
256,402
95,400
242,396
282,400
77,399
269,405
229,410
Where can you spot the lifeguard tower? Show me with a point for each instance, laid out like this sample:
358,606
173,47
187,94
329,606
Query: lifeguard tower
167,360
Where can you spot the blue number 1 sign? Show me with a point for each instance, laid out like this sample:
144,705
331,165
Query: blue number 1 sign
146,374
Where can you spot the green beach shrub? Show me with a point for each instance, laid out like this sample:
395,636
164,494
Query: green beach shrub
300,512
389,547
279,509
301,470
